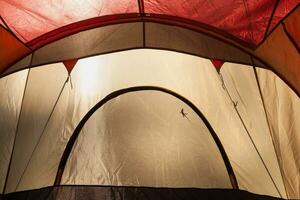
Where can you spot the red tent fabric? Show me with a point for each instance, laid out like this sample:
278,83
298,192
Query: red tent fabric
244,20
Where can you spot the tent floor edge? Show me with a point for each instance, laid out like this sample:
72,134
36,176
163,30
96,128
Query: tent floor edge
92,192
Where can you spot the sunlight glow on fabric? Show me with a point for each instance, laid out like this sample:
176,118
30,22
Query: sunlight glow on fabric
90,75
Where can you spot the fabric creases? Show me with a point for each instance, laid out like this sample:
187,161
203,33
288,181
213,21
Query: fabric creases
170,153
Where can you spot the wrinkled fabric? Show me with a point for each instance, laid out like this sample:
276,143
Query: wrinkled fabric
282,55
282,109
11,96
281,10
93,78
246,20
39,99
242,86
143,139
30,19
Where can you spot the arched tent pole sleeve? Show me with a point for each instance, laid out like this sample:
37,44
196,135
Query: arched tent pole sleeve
74,136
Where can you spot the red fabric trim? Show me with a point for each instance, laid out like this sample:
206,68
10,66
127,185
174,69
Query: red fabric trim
70,64
217,63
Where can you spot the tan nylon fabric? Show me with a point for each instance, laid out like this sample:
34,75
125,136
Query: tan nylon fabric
11,95
39,99
283,111
243,89
142,139
93,78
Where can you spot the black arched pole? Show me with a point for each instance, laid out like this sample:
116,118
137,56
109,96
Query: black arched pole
117,93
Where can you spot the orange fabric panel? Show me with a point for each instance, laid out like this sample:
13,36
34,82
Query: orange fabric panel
11,49
279,52
293,26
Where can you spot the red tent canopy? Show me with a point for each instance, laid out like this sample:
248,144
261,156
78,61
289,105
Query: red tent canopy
248,21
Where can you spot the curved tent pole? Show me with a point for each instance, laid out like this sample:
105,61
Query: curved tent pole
74,136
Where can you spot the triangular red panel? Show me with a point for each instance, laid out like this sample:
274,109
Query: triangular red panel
69,64
217,63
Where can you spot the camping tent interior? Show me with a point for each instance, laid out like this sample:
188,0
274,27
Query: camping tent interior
149,99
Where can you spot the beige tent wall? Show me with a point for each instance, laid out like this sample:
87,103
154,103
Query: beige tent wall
142,139
39,99
283,112
95,77
12,88
243,89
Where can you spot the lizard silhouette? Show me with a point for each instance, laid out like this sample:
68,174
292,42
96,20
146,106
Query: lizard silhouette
184,114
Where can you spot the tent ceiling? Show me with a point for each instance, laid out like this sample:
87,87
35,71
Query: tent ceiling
244,20
258,30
